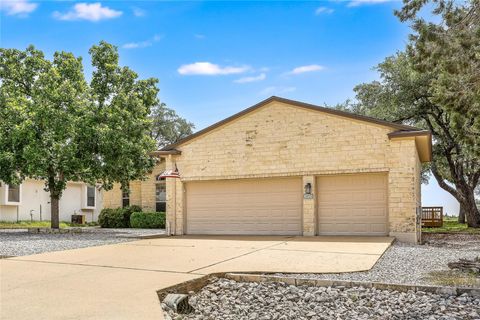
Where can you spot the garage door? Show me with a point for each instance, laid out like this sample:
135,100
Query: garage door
352,204
247,206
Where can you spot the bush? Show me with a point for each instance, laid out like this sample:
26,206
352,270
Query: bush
111,218
117,218
148,220
127,212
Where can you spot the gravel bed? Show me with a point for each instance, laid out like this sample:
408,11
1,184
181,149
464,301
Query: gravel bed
227,299
18,242
405,264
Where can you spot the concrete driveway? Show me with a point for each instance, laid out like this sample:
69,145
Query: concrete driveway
120,281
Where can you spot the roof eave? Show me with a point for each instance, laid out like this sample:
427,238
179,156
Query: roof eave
166,152
423,141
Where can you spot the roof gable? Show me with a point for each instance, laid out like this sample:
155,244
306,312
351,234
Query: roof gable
294,103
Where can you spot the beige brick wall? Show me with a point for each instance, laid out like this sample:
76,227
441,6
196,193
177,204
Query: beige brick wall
283,140
279,139
142,193
309,208
113,198
403,189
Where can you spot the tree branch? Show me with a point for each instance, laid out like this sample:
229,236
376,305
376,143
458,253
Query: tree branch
442,183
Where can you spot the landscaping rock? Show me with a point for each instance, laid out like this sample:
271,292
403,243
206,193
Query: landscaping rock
268,300
406,263
19,242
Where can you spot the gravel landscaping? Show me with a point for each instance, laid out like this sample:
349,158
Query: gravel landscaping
228,299
409,264
18,242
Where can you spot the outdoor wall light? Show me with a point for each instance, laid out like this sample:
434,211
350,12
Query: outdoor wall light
308,188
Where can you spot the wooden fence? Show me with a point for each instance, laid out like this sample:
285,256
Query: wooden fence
432,217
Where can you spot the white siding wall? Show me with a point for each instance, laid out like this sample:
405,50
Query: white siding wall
33,197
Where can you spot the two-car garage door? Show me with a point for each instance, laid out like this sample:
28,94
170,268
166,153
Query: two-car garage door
353,204
246,206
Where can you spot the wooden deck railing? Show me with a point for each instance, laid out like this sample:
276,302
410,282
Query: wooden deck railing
432,217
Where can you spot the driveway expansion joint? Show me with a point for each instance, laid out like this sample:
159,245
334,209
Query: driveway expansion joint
239,256
105,266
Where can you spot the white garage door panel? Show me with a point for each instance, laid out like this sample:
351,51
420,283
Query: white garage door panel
260,206
352,204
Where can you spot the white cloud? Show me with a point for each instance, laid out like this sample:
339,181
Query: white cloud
260,77
137,12
142,44
356,3
268,91
88,11
308,68
19,8
209,69
325,10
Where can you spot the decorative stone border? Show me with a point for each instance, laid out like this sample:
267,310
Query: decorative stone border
196,285
191,285
50,230
456,291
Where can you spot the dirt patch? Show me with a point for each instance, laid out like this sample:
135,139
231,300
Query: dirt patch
454,278
452,240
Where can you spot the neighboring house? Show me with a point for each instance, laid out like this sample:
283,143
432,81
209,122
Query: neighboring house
29,201
283,167
149,194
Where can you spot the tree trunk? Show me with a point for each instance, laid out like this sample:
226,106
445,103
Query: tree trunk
470,207
461,215
54,216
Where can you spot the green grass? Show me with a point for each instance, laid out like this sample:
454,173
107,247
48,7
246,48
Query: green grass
39,224
451,225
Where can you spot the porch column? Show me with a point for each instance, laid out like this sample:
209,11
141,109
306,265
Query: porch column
170,198
309,205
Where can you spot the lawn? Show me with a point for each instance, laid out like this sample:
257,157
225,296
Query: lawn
451,225
38,224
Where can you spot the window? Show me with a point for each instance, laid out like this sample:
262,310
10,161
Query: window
161,196
125,198
90,196
13,193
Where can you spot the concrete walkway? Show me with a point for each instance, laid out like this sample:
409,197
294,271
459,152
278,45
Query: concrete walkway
120,281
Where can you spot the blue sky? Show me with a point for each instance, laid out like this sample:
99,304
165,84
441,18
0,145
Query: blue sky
215,58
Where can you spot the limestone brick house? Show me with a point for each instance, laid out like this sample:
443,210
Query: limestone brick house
284,167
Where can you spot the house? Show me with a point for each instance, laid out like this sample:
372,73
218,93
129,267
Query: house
284,167
29,201
150,194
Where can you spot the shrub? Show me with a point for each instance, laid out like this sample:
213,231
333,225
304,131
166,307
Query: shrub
148,220
127,212
117,218
111,218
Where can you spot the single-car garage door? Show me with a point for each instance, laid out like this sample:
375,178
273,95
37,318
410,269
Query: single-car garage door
353,204
246,206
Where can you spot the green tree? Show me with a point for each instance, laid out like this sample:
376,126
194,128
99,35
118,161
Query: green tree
57,127
435,84
167,126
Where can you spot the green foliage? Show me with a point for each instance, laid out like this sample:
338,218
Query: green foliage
451,225
148,220
168,127
118,217
434,84
112,218
57,127
127,212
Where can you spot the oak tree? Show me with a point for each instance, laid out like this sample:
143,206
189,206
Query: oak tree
57,127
